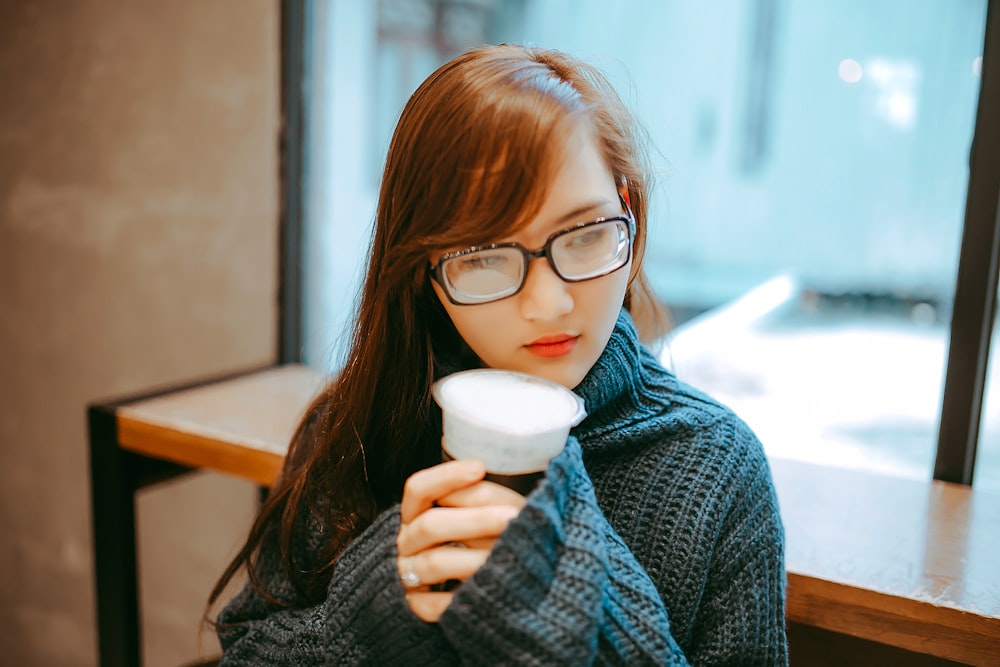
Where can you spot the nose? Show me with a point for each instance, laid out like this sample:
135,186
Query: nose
544,296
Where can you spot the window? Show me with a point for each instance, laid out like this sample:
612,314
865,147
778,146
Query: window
812,159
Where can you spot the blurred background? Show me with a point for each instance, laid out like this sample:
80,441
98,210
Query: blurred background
812,163
139,205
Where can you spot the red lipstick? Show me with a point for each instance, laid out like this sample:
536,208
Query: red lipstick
553,346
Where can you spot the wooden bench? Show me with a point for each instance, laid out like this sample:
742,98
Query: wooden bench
898,565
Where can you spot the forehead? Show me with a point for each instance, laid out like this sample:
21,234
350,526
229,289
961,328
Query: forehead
518,188
580,187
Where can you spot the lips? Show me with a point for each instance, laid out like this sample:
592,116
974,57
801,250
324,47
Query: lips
555,345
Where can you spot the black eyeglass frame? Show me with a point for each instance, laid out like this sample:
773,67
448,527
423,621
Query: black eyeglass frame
545,251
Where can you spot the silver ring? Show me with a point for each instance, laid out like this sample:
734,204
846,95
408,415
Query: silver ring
409,577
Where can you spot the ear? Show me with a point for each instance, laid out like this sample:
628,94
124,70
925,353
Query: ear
623,191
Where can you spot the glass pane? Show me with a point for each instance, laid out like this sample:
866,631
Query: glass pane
364,59
812,162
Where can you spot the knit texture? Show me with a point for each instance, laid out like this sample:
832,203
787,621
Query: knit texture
655,539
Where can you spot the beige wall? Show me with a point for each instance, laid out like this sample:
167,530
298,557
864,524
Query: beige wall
139,200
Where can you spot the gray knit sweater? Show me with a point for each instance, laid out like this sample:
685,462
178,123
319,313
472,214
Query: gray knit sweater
654,539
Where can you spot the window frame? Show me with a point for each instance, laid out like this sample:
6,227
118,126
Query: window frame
294,75
974,306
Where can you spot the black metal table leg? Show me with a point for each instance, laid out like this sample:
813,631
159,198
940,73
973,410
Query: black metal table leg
116,574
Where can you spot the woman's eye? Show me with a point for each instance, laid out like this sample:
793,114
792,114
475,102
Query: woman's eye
587,237
477,262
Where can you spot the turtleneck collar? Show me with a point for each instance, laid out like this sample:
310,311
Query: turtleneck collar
626,384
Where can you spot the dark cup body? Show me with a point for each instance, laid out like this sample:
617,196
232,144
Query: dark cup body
524,483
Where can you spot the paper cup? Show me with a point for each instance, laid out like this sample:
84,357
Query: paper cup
514,422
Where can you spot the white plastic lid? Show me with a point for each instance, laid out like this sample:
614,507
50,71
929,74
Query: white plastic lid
509,401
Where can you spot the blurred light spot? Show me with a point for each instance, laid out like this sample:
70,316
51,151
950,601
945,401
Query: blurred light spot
850,70
977,66
901,109
897,83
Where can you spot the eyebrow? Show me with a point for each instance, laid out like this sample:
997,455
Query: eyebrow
581,211
559,223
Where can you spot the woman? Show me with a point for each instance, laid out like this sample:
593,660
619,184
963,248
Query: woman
655,536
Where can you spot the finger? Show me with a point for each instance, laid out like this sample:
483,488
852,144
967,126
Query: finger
440,525
485,543
429,606
482,494
424,487
441,564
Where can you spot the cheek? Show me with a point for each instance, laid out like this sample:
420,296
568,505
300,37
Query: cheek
479,326
490,338
614,288
605,303
470,326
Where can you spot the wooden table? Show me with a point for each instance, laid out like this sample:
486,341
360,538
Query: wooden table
904,563
907,563
239,425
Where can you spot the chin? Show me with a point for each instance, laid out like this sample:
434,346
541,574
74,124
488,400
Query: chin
567,377
565,371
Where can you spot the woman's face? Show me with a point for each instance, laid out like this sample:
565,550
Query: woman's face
552,328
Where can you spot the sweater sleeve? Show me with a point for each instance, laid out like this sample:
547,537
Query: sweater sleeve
561,587
364,619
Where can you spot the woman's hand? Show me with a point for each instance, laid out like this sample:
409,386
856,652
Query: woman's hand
450,519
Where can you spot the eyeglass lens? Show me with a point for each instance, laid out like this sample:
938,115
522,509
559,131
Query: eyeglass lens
579,254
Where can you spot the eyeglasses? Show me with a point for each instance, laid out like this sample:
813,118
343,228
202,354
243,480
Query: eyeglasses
585,251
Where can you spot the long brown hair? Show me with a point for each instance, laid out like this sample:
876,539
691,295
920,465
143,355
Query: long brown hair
470,161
